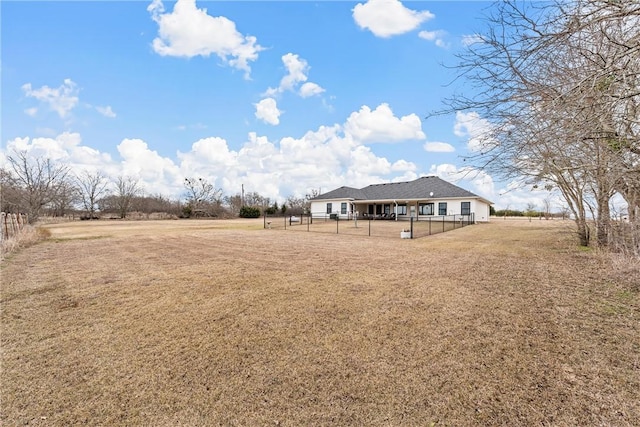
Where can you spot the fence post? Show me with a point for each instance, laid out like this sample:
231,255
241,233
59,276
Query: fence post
337,221
369,226
5,230
429,226
443,223
411,227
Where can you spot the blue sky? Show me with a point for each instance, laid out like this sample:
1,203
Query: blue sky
281,97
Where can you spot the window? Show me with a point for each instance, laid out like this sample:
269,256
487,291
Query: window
343,208
465,208
425,209
442,208
387,209
370,210
329,207
402,209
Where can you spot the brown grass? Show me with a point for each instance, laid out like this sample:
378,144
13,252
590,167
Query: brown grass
28,236
185,323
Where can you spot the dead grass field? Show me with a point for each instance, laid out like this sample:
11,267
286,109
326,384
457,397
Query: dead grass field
198,323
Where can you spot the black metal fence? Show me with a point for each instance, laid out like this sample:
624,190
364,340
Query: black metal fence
411,228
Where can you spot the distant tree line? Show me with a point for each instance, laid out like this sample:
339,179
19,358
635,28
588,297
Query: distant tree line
39,187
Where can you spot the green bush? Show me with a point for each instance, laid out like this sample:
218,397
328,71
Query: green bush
249,212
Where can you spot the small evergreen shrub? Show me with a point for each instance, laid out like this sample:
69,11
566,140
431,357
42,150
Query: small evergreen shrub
249,212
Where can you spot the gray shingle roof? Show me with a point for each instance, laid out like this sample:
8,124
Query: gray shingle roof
420,188
342,193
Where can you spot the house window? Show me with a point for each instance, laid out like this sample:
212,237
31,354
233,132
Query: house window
402,209
442,208
370,209
343,208
387,209
425,209
329,208
465,208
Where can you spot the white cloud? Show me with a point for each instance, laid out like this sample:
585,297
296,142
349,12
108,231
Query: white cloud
31,111
380,125
386,18
189,31
106,111
438,147
297,72
66,147
147,165
476,129
434,36
403,166
310,89
62,99
267,111
330,156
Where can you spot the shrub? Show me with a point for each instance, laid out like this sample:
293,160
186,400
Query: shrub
249,212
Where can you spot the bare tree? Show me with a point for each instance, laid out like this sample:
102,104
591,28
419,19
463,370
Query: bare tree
233,203
126,189
297,205
65,200
256,200
37,181
557,85
202,197
92,186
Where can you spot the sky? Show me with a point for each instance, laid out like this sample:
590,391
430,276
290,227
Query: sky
281,98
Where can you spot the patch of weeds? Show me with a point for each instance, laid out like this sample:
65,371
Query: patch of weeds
29,236
626,295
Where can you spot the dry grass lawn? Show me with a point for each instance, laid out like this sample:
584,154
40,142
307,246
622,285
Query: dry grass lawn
198,323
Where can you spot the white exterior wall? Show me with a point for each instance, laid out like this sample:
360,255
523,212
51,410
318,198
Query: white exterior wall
319,208
479,208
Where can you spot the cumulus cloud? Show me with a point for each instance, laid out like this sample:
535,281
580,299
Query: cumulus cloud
267,111
310,89
189,31
106,111
329,156
62,99
66,147
381,125
434,36
438,147
142,163
297,70
476,129
297,73
386,18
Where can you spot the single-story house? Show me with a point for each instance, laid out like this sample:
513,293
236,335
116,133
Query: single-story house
422,198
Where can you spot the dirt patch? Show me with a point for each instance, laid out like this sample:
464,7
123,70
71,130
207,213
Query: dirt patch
225,323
